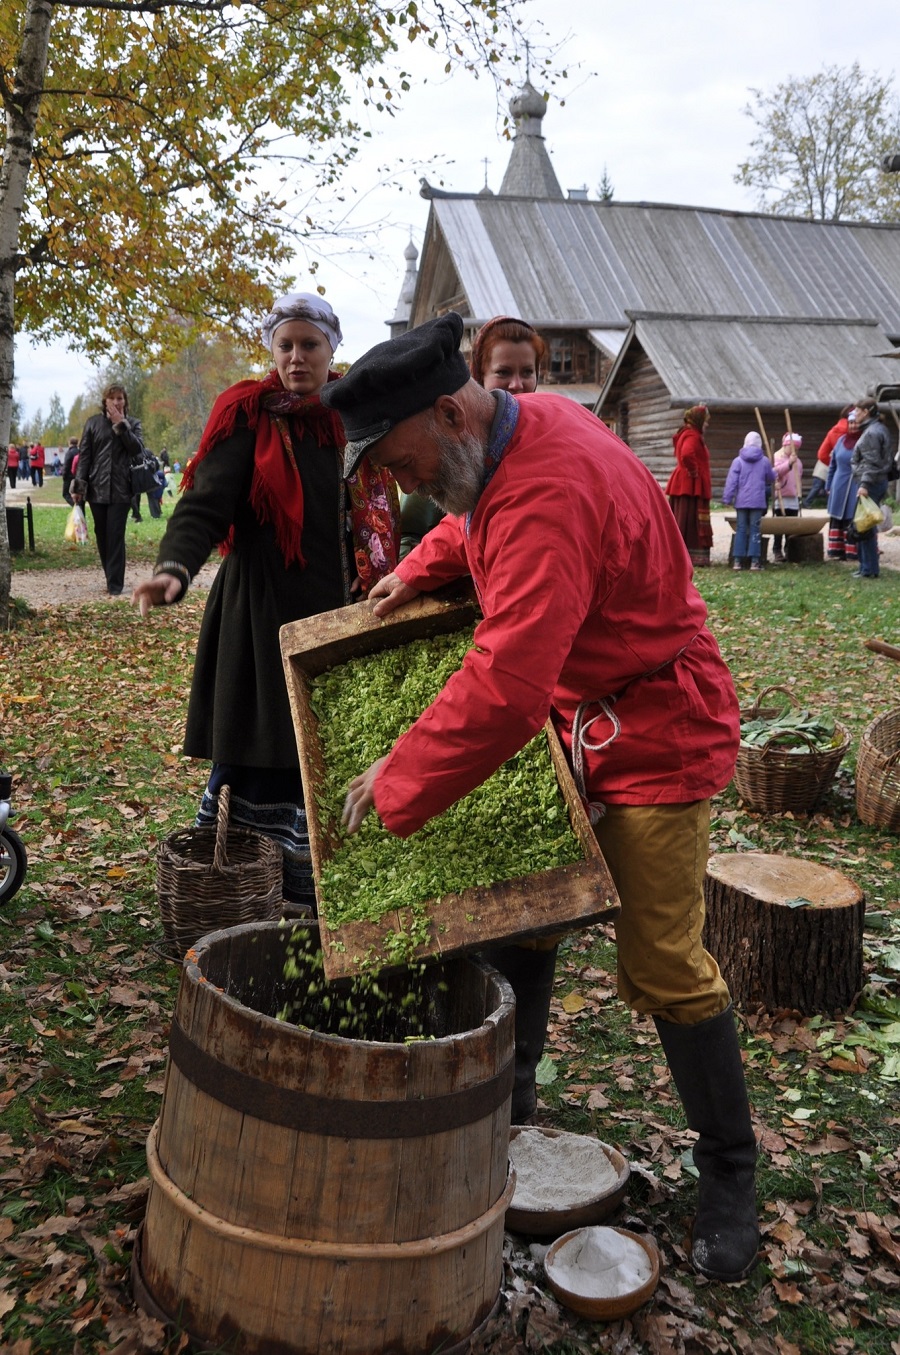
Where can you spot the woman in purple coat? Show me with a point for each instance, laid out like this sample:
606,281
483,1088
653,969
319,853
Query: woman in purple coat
746,487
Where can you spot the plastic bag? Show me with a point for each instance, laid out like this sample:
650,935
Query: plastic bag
867,514
76,527
887,520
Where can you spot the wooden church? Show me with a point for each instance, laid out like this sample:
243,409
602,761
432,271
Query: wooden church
647,308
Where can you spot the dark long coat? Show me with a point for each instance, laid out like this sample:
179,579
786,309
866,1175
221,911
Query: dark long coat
239,710
105,456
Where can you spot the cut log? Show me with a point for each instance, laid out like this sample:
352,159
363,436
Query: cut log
785,932
804,550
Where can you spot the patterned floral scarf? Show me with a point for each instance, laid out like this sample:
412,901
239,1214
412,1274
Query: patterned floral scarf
276,491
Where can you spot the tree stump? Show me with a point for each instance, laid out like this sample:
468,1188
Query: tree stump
774,950
804,550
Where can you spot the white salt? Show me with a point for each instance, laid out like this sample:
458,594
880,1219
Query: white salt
558,1171
600,1263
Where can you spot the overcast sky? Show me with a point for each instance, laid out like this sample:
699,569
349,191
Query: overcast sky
655,96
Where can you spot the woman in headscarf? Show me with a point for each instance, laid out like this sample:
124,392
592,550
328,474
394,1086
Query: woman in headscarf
266,486
842,490
690,486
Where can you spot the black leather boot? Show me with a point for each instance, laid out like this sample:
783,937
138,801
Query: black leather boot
705,1061
530,975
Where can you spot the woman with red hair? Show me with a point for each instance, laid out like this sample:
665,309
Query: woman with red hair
507,354
690,487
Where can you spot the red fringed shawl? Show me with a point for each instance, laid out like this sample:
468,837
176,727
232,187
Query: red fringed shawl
276,491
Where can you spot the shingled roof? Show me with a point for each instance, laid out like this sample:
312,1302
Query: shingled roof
744,360
578,264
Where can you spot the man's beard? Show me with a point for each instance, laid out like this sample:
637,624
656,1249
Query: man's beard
459,481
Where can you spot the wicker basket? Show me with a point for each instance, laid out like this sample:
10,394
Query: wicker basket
208,878
878,773
773,779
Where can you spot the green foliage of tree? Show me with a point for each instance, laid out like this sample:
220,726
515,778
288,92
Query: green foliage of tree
820,145
161,159
55,423
179,394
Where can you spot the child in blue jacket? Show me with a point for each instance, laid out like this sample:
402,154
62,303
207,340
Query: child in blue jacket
747,486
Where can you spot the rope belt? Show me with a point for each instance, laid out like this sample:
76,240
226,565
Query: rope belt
581,726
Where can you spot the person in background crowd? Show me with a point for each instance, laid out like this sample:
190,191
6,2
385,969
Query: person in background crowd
266,487
38,458
164,458
690,485
842,490
25,463
789,486
56,463
817,489
747,485
70,462
590,618
110,443
154,496
12,464
873,456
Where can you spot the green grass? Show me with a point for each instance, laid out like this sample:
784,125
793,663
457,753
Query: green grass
52,551
92,702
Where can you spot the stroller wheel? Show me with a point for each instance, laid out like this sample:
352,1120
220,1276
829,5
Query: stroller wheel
13,863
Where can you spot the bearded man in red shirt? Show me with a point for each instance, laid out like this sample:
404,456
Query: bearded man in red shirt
590,618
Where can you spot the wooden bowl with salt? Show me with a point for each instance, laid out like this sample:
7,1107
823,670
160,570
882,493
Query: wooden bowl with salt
603,1273
563,1181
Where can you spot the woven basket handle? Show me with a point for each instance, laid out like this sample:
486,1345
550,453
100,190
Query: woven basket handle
773,742
754,708
220,858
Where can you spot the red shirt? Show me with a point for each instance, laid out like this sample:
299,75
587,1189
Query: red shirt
691,475
830,440
585,585
38,458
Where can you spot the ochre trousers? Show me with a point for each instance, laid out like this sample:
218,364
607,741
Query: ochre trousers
657,856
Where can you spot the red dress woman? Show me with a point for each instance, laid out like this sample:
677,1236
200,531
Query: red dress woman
690,487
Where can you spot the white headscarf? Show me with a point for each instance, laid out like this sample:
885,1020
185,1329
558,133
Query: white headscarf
315,310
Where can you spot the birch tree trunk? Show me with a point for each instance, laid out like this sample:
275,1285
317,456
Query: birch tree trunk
22,103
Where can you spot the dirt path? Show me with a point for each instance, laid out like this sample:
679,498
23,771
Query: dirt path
70,587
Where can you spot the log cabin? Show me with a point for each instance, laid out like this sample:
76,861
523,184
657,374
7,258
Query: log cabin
647,308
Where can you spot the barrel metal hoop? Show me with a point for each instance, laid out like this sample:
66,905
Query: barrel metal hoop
336,1118
315,1247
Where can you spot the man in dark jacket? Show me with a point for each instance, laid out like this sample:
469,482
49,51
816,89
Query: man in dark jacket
68,470
110,444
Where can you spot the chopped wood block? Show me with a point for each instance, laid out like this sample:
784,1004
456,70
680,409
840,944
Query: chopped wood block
785,932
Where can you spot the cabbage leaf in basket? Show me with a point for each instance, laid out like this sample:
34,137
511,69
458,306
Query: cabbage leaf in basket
794,730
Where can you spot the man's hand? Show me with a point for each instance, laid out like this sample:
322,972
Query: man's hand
360,797
157,592
862,493
392,592
115,408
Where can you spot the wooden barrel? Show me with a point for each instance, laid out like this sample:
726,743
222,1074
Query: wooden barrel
318,1195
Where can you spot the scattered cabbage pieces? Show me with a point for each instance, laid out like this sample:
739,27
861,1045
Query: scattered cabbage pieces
793,730
514,824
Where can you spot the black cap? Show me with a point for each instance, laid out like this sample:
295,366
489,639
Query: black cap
396,379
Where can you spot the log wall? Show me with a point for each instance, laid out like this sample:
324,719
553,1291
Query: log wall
642,415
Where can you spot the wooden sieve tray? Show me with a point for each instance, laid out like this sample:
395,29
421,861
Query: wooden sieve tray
564,898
